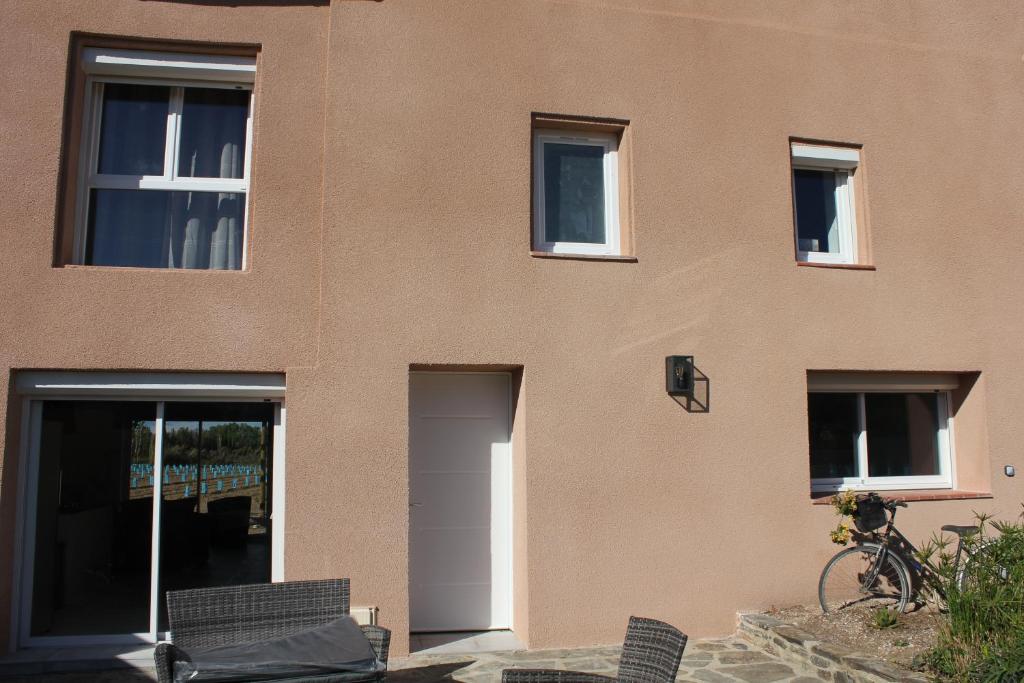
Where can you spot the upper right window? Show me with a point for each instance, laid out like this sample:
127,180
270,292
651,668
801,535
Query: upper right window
576,192
823,202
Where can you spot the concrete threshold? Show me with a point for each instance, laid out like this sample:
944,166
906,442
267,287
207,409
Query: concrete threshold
37,661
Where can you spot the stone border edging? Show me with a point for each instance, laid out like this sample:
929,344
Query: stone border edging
829,661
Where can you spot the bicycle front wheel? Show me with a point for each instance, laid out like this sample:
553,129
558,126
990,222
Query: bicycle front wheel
850,580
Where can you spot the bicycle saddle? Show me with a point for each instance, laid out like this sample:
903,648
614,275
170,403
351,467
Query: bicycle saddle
960,530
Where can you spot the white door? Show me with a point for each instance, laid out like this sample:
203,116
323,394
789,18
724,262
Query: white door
460,502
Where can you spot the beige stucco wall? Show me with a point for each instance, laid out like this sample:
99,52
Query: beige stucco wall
87,318
390,226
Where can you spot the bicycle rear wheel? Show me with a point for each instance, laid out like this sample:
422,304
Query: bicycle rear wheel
845,583
981,566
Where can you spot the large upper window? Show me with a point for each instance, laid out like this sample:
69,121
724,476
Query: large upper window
881,438
826,223
164,162
576,192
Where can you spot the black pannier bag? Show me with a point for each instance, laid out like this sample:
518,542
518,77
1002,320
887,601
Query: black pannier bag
870,513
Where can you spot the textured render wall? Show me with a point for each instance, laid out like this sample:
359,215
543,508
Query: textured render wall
92,318
633,506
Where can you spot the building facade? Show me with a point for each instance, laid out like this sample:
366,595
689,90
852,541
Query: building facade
385,290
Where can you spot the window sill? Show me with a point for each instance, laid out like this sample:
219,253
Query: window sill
911,496
146,269
840,266
584,257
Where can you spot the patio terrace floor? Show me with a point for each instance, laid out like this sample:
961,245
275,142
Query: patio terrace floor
727,660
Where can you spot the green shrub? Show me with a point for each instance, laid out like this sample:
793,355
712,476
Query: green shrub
884,618
981,639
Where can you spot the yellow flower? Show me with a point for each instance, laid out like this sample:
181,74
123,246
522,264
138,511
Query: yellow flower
841,534
845,503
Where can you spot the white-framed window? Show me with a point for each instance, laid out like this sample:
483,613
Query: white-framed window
880,435
164,163
576,192
823,201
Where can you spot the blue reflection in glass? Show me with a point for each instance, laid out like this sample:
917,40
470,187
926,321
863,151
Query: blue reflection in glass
816,210
155,229
133,129
574,193
213,133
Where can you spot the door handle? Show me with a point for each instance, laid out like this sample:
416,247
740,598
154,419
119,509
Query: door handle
415,505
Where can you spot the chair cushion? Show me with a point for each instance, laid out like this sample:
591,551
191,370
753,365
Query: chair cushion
336,647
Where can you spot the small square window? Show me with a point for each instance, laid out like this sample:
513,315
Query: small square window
576,192
823,200
164,165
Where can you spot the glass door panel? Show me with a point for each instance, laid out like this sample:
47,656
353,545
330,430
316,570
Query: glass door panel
93,526
215,514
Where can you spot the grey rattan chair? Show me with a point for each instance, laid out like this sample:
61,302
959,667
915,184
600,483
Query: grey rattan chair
208,617
650,654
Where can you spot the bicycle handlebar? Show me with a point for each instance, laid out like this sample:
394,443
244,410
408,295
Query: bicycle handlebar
890,504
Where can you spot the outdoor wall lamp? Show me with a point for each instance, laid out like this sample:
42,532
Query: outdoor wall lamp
679,376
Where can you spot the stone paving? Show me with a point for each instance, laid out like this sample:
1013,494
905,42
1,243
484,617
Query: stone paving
764,650
727,660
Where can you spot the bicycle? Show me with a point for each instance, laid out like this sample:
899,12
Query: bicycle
885,571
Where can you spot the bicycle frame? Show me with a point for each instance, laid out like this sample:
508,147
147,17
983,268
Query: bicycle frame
893,541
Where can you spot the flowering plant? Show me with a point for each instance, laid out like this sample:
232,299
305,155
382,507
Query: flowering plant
841,534
845,504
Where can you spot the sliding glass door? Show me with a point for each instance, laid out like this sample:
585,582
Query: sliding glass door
93,518
214,520
95,569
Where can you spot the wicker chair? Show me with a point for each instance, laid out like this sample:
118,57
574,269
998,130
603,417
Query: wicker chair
650,654
208,617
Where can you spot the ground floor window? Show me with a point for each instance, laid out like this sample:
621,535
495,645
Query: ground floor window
134,498
880,439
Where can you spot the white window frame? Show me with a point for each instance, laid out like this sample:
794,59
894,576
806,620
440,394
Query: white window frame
944,439
843,163
609,142
176,71
158,388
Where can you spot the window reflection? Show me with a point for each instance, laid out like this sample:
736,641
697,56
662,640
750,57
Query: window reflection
92,569
816,214
574,193
133,128
215,497
93,519
902,434
152,229
833,435
213,133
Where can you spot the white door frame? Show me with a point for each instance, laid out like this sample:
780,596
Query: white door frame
502,530
37,387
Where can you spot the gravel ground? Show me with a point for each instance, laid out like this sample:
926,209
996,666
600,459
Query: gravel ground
914,633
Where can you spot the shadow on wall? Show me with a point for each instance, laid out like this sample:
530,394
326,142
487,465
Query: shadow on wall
252,3
700,402
9,494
